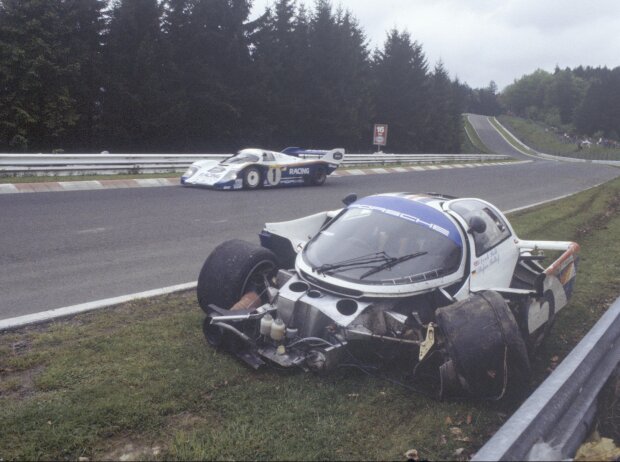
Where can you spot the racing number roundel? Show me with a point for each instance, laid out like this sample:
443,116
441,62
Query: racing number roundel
274,175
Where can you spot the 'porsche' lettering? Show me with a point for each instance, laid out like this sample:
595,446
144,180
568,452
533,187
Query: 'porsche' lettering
299,171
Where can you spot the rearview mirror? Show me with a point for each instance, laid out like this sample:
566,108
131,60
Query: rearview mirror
349,199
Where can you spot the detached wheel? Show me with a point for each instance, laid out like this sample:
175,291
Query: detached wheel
252,178
234,268
318,177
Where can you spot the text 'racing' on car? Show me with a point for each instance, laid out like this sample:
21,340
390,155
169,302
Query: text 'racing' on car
440,288
256,168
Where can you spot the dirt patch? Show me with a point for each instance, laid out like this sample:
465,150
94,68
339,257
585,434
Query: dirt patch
133,447
18,384
17,381
600,221
126,448
185,421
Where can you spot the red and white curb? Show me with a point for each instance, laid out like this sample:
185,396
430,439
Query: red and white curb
13,188
85,185
418,168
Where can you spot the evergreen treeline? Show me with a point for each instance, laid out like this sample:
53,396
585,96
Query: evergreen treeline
585,101
198,76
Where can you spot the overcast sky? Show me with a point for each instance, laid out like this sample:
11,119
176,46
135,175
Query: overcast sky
483,40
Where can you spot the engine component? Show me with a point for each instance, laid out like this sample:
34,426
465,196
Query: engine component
265,324
278,329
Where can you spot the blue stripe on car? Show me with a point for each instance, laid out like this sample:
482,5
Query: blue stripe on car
413,211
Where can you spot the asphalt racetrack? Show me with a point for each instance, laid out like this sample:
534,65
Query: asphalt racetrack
64,248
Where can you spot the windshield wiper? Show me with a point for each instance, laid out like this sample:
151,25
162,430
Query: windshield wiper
392,262
355,262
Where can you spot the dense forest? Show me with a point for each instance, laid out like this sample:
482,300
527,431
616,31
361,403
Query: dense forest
580,101
199,76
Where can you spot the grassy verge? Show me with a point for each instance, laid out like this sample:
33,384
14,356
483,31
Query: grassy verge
137,381
548,140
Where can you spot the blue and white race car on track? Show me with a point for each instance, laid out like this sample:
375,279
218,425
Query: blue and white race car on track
255,168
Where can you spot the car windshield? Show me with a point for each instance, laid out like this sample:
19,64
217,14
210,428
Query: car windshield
375,246
242,158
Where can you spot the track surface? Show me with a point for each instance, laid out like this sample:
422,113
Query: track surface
64,248
492,138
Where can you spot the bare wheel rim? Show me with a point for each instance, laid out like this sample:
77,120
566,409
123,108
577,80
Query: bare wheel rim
252,178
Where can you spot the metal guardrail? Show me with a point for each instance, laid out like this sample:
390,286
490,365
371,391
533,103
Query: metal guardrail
68,164
553,422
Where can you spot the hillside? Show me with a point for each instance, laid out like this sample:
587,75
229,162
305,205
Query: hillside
552,140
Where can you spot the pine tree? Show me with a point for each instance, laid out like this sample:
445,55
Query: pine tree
337,85
211,67
86,25
401,92
36,104
135,102
278,61
440,120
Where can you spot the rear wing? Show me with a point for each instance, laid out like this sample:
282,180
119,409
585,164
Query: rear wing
335,156
563,269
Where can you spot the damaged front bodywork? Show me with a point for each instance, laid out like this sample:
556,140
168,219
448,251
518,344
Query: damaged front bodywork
439,288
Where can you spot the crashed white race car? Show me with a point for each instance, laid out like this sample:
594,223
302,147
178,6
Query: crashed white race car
440,288
256,168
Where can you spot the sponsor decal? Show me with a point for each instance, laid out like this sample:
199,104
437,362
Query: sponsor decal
338,156
274,175
405,216
414,212
486,261
299,171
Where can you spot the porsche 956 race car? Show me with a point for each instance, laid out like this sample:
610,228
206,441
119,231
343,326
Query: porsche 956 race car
440,288
255,168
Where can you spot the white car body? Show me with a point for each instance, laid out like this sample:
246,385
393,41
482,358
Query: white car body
256,168
443,279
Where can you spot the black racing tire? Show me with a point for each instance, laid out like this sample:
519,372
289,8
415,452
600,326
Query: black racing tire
252,178
230,270
318,177
483,339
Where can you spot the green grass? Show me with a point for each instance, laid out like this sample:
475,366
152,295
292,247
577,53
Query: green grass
545,139
138,380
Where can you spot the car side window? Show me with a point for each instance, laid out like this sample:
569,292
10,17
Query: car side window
268,157
496,231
